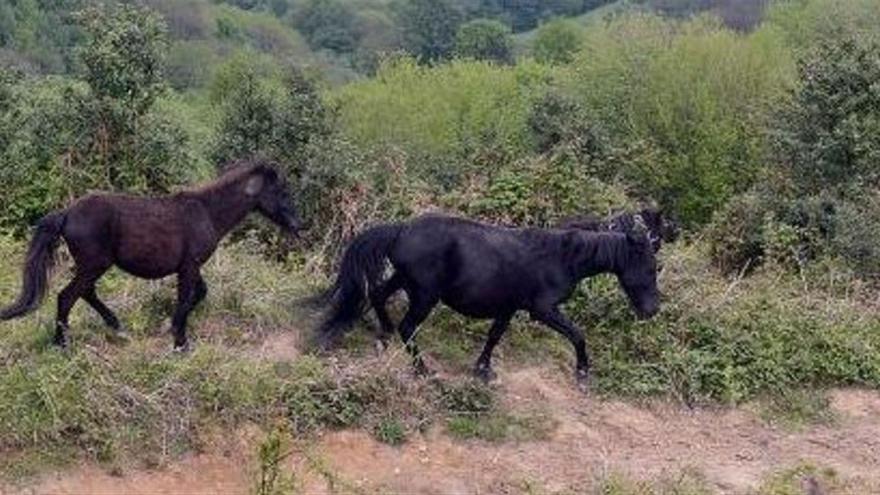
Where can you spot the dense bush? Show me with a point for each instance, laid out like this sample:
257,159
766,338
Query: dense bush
448,113
67,137
484,39
830,133
557,41
328,24
717,340
428,27
690,125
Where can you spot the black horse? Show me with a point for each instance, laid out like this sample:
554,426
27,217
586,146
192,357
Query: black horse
659,226
149,238
489,272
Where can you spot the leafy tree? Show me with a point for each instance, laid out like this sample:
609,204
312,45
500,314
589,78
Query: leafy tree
557,42
246,123
831,133
328,24
484,39
7,23
276,116
124,56
69,136
428,27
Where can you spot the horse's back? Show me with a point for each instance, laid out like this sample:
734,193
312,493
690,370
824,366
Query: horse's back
144,236
478,269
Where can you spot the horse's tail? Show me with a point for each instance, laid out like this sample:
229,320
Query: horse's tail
362,266
38,264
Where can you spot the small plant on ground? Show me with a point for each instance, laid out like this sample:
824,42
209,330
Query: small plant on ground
688,482
797,408
808,479
390,431
271,478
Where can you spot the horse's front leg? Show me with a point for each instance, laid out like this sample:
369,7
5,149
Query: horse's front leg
555,319
483,368
188,295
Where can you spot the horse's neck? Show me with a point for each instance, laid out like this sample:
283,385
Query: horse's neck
597,253
227,206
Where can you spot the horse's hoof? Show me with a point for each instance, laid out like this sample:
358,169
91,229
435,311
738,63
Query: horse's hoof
380,346
582,378
120,336
422,371
485,373
182,349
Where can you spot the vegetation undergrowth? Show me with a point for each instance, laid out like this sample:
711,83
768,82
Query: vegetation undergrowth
757,127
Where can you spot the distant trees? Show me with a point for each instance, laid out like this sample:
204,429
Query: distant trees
523,15
39,33
557,41
484,39
428,27
328,24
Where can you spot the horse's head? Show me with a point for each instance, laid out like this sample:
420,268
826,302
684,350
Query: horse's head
638,275
269,190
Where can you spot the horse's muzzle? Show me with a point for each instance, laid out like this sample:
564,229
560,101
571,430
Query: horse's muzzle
293,227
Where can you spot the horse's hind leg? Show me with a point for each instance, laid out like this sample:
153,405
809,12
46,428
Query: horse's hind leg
420,307
91,297
379,298
68,296
483,368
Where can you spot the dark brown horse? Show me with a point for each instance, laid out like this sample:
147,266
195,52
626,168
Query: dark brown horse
149,238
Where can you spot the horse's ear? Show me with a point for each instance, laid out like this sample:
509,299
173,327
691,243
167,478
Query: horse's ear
639,232
254,185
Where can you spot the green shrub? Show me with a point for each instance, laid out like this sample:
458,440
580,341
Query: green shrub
736,235
450,112
390,431
729,341
545,190
557,41
484,39
66,137
830,133
690,126
857,229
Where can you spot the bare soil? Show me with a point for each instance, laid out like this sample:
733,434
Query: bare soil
733,449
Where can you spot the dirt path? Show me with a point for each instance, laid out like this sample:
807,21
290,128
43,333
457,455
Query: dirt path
733,449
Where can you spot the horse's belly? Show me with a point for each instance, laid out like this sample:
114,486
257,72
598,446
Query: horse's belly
146,268
478,303
150,261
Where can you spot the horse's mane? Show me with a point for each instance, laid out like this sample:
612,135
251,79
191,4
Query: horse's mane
232,173
610,248
593,222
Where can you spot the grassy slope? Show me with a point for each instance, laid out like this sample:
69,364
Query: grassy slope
717,340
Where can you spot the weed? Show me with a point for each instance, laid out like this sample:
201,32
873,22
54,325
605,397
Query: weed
805,478
271,479
797,408
390,431
688,482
